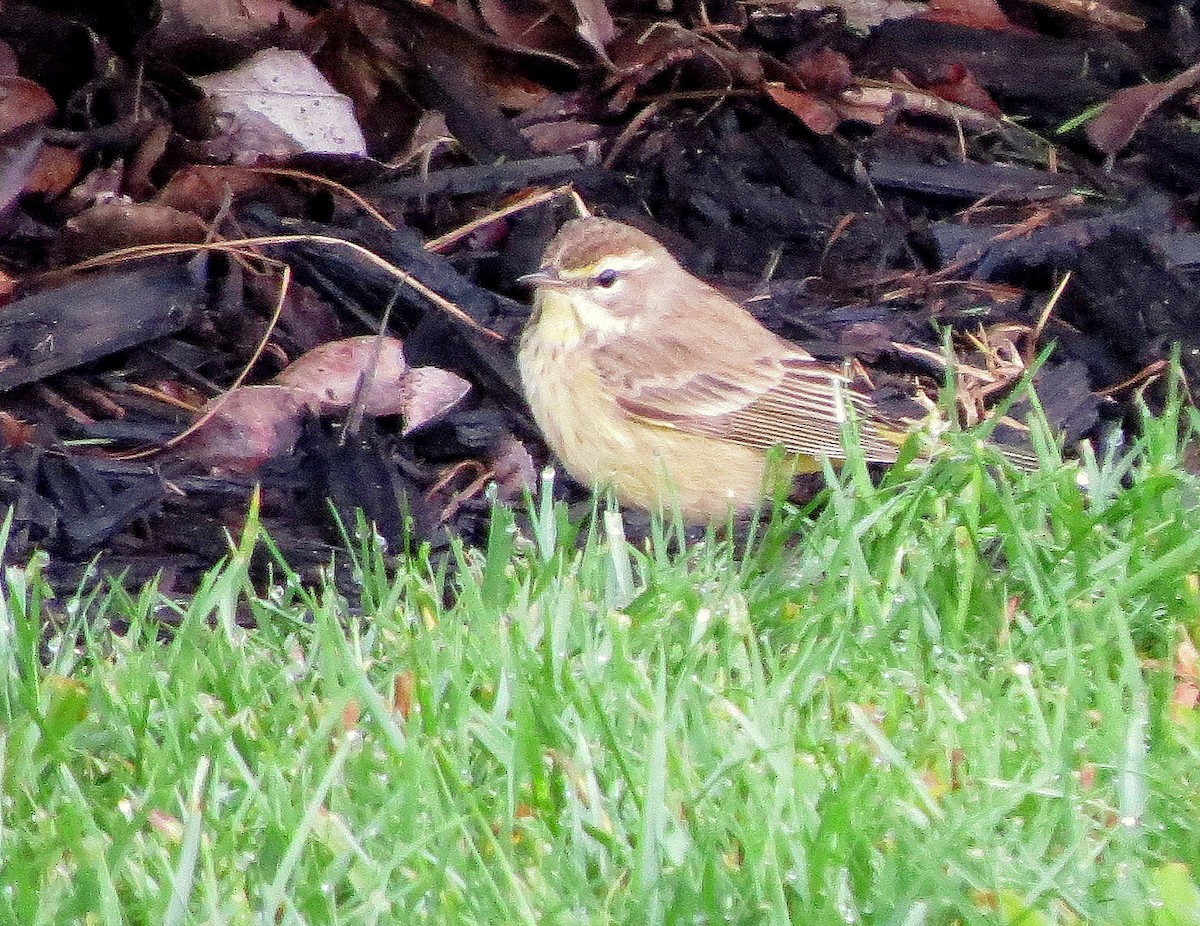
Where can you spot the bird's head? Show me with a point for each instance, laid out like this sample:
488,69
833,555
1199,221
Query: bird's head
609,276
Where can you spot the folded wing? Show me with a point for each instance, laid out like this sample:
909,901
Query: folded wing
776,395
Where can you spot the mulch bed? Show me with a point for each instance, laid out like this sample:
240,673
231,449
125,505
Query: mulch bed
865,186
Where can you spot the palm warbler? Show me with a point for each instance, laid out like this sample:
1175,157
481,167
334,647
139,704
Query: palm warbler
647,380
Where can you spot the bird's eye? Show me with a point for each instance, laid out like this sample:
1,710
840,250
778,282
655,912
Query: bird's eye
606,278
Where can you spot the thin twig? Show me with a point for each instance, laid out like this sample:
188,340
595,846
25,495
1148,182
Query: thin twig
239,246
455,235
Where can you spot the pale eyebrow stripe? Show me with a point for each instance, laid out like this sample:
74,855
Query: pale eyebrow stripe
622,263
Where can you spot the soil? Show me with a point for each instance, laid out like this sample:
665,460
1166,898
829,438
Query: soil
1016,179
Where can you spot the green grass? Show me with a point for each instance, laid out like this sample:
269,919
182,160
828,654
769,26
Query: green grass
944,699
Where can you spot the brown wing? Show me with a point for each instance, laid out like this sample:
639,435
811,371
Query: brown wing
772,394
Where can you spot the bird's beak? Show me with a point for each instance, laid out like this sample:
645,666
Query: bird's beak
542,277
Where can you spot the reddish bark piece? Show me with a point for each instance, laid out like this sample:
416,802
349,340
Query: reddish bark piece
827,70
23,102
55,170
960,86
201,188
974,14
814,112
1128,108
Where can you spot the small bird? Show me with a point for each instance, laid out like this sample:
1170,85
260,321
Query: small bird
647,380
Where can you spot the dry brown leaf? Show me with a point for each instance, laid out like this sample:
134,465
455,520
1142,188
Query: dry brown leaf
9,65
239,22
330,374
166,825
513,469
1127,109
115,225
521,24
862,15
559,137
826,70
1187,660
1184,699
1095,11
402,693
594,24
351,714
355,46
644,51
14,432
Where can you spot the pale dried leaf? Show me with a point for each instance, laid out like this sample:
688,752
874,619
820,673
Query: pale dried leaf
280,94
595,25
251,425
430,393
513,470
862,15
332,371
